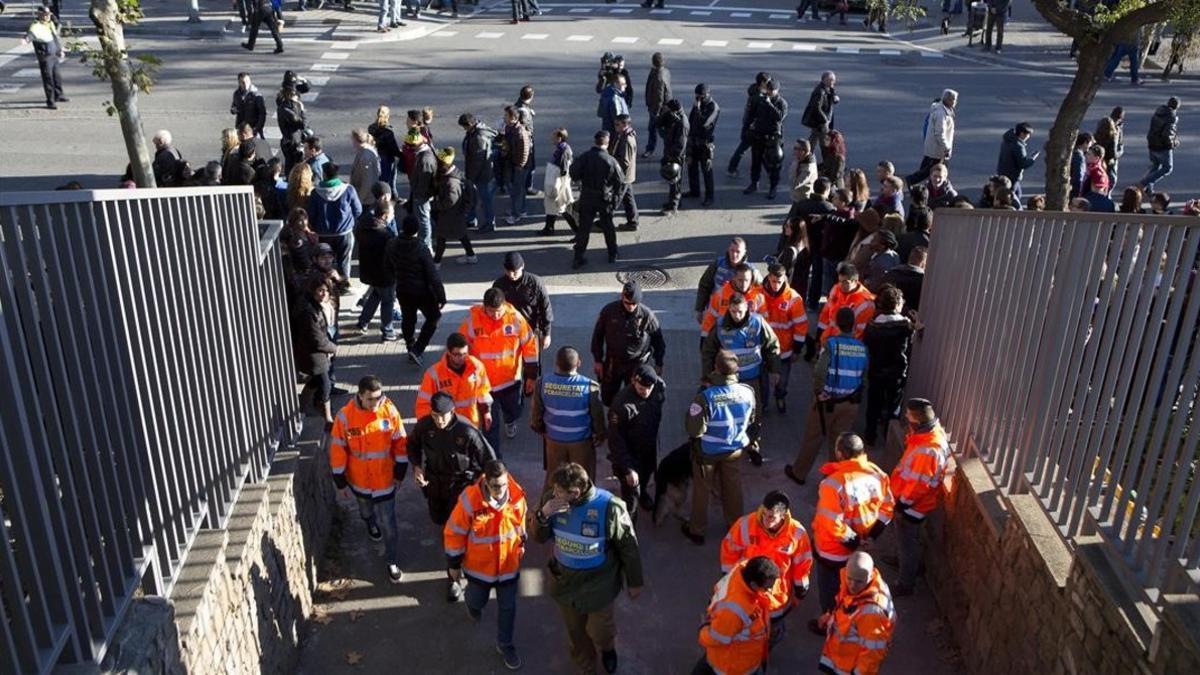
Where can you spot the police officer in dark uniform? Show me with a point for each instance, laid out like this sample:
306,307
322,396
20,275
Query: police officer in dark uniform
766,134
447,453
627,335
633,423
702,126
264,12
673,126
527,293
602,185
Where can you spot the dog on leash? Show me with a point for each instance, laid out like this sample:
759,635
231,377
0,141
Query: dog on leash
673,484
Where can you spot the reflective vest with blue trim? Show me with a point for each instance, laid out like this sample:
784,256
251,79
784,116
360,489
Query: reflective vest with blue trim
565,399
847,366
581,534
729,407
723,273
746,342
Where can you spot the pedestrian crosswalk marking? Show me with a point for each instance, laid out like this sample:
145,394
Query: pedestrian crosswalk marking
579,38
310,96
847,50
716,43
5,59
345,44
27,73
335,56
318,80
579,10
889,52
932,55
489,35
444,33
700,12
804,48
670,41
9,88
759,45
780,16
535,36
326,67
741,15
624,40
620,10
661,11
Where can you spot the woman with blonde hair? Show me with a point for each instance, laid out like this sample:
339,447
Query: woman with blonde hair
386,145
300,186
229,142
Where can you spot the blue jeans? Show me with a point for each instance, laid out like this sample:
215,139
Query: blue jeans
1161,165
506,599
516,190
387,10
487,203
785,371
383,514
909,535
343,248
382,298
1121,51
506,408
424,217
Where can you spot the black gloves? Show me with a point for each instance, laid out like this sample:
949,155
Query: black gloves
339,479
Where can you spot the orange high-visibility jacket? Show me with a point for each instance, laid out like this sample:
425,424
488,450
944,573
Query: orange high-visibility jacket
486,541
365,446
854,496
785,312
500,344
718,304
736,626
858,636
917,479
789,549
469,389
860,300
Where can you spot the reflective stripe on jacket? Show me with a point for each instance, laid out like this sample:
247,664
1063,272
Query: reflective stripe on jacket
788,318
500,344
917,479
860,632
854,495
581,533
746,342
729,408
719,304
469,389
566,400
487,541
847,366
860,300
365,446
736,626
789,548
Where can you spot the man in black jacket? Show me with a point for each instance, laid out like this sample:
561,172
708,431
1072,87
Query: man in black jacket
702,125
627,335
528,295
289,111
238,167
766,131
909,277
418,287
421,189
373,237
997,16
674,128
248,106
658,92
633,422
601,185
753,95
818,114
168,163
1161,141
477,168
447,453
887,338
1014,156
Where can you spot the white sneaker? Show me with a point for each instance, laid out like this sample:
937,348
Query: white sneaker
395,574
510,430
467,259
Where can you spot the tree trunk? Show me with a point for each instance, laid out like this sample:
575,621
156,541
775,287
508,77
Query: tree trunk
105,17
1089,75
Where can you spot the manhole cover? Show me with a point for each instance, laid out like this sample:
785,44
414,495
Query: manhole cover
646,277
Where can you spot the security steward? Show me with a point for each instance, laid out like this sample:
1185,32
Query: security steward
527,293
368,453
751,339
720,420
838,385
860,631
745,281
602,184
917,484
633,422
766,134
447,453
464,378
702,149
627,334
567,412
736,630
786,314
48,47
484,541
595,555
854,503
673,125
848,292
718,273
771,531
500,338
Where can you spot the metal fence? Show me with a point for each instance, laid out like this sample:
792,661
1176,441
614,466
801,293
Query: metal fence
1061,349
147,377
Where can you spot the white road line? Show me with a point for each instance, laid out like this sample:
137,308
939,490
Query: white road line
889,52
272,133
27,73
804,48
489,35
318,80
661,11
310,96
443,33
347,44
579,10
535,36
780,16
624,40
932,55
715,43
7,58
620,10
326,67
670,41
579,38
335,56
740,15
700,13
847,50
759,45
7,88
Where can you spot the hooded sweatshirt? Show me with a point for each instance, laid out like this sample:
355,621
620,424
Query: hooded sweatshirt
334,208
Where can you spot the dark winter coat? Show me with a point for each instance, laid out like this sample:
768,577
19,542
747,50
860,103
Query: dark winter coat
412,267
910,240
818,114
673,127
452,458
167,166
633,424
769,114
1014,157
887,338
943,197
753,96
449,205
908,279
837,235
658,90
236,172
528,295
1164,130
385,141
373,238
422,172
477,153
311,347
248,107
601,179
292,121
702,121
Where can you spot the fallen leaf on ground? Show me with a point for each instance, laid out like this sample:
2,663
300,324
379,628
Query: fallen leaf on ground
322,619
354,658
356,615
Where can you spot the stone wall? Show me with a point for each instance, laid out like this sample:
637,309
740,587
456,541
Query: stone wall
1020,601
241,599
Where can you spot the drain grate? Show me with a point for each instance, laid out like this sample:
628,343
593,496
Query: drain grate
646,277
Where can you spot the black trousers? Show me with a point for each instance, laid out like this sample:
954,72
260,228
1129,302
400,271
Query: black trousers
884,395
997,21
674,193
520,9
51,83
696,167
588,215
758,148
736,157
261,17
629,205
409,306
922,171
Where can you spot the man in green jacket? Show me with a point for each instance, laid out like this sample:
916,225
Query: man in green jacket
595,554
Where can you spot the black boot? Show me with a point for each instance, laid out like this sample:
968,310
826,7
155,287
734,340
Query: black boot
549,228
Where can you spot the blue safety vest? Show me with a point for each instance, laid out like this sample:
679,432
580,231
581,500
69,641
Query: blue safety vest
581,534
729,407
747,343
847,365
565,400
724,273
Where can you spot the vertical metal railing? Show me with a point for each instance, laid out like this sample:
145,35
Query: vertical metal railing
1061,348
147,378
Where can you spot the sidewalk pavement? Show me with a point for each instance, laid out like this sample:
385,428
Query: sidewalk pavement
409,627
